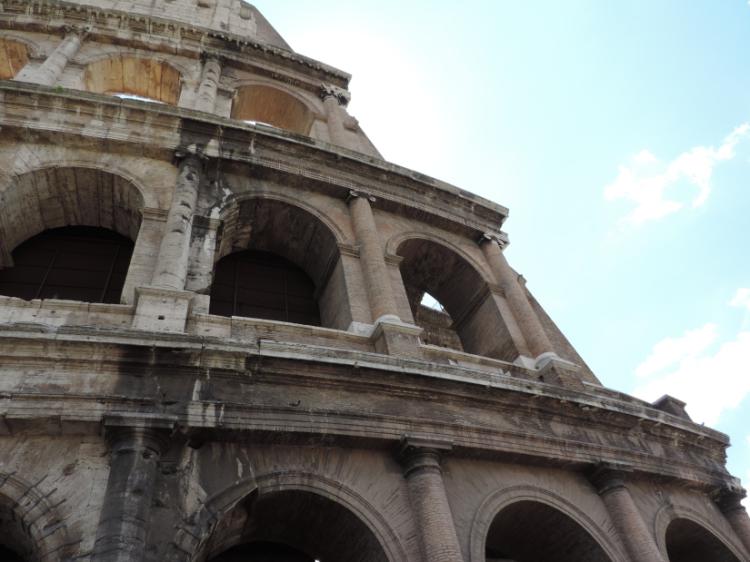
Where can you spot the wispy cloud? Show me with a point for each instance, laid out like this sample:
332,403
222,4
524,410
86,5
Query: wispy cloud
645,180
708,372
673,351
709,381
741,299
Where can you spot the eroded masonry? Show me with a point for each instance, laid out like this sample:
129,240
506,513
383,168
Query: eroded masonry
215,341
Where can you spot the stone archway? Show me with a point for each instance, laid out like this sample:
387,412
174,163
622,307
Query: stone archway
136,76
293,525
66,196
532,531
272,106
471,309
260,225
30,526
687,541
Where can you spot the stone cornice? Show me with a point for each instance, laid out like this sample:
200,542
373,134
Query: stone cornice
52,16
332,169
521,418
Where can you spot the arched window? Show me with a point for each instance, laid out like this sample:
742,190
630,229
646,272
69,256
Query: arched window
137,77
689,542
13,57
263,285
530,531
468,317
75,263
279,262
264,104
294,526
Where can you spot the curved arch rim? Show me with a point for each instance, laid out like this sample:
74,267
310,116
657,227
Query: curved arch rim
498,500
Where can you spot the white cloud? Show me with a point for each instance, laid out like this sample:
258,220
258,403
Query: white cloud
741,298
645,180
710,382
671,351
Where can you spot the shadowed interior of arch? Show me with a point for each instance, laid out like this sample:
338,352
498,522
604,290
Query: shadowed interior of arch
529,531
74,263
293,526
470,319
267,105
15,544
279,262
688,541
134,76
41,257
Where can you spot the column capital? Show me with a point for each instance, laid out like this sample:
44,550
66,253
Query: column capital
80,30
609,476
500,238
728,497
189,154
206,57
341,95
418,454
353,194
126,432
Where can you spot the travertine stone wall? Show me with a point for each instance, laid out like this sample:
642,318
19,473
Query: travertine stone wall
153,430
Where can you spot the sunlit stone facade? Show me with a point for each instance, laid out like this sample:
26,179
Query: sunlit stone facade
213,345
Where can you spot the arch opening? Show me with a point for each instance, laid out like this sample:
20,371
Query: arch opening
139,78
34,213
293,526
13,57
79,263
271,106
15,543
279,262
688,541
530,531
470,318
263,285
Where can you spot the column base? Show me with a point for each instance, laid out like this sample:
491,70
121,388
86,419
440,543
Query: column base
397,338
162,310
554,370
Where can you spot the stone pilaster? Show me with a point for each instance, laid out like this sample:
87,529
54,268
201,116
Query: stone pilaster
172,263
610,485
51,69
372,258
528,322
209,85
424,477
333,100
136,444
729,501
165,305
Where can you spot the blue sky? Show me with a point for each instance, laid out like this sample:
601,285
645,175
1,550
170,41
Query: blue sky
615,132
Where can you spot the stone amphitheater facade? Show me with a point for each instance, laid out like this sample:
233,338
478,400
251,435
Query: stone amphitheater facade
213,345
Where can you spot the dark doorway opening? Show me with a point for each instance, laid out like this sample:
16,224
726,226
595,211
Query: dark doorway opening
264,285
529,531
80,263
689,542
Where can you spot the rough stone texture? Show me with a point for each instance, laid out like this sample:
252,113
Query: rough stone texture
153,430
